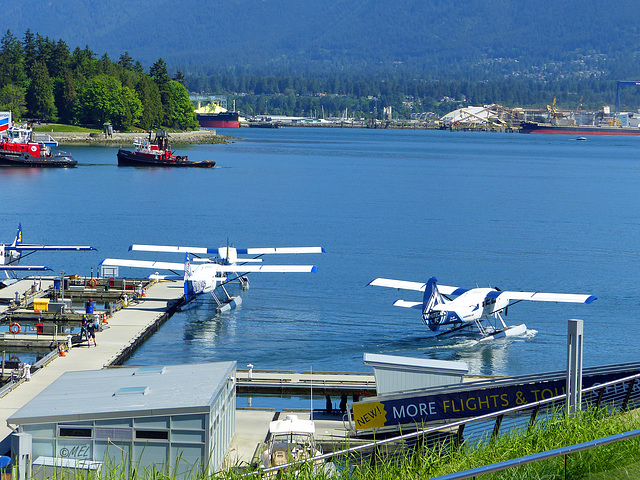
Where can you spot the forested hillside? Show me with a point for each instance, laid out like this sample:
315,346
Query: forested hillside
471,39
302,57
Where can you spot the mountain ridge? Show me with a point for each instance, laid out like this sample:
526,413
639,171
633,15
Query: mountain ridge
434,38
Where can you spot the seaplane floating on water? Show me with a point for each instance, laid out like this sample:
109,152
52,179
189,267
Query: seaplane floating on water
458,309
206,274
10,255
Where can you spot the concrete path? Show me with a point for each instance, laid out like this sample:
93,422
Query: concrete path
123,328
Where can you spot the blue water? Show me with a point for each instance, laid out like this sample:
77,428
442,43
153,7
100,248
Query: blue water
520,212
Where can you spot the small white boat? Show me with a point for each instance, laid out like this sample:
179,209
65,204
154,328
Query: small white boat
583,139
289,440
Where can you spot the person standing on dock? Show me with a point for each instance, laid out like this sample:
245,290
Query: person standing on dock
84,332
91,333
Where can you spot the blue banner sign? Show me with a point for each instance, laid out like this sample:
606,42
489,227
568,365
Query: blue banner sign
416,408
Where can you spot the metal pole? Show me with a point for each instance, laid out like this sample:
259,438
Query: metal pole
574,365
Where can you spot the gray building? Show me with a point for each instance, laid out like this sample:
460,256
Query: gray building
178,419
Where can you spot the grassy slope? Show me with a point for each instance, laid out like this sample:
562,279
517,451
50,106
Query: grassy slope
614,461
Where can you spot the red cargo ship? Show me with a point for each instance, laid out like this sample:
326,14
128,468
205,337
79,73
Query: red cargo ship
219,120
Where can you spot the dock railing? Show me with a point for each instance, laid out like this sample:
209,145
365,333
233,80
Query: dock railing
615,395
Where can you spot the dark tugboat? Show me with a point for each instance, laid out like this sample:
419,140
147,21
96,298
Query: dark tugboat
18,148
156,153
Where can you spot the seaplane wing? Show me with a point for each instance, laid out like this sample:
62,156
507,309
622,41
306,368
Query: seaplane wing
222,251
405,304
169,249
544,297
22,247
268,268
119,262
24,268
417,286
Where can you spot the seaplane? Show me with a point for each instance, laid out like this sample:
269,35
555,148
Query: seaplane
10,255
202,275
457,309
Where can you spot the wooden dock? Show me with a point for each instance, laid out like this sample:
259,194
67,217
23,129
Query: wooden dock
125,330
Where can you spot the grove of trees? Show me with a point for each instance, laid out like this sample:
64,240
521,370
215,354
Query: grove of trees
41,79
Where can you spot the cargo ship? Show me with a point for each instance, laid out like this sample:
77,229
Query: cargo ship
547,128
219,119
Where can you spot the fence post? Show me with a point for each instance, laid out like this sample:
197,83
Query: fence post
574,365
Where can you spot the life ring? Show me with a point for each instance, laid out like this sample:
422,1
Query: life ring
93,282
14,359
33,148
14,328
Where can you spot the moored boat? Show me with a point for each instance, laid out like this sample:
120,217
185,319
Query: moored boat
19,148
289,440
219,120
546,128
157,153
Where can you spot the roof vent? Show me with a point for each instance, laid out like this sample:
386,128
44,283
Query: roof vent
150,370
132,391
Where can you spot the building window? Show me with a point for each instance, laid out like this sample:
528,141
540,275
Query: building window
76,432
152,435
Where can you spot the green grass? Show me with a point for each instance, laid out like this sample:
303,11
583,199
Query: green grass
613,461
59,127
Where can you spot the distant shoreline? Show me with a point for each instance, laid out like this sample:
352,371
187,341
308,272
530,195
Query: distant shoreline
126,139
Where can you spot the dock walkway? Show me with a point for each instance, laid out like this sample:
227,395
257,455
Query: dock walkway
126,329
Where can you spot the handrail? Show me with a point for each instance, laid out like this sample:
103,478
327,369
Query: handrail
449,426
536,457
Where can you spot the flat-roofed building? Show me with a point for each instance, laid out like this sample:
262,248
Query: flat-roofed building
177,419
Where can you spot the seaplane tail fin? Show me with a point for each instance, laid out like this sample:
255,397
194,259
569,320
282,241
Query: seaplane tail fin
189,293
18,239
433,313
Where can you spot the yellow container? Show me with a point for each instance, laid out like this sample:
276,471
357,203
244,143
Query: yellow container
41,304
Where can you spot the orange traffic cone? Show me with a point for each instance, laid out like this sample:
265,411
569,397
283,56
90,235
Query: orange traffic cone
62,351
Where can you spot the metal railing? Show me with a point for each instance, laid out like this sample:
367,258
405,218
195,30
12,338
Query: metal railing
615,394
537,457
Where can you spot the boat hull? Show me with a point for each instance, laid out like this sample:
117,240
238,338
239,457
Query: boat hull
219,120
127,158
24,159
530,127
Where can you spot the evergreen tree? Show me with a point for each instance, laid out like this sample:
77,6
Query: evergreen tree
126,61
160,75
12,69
12,98
149,95
29,46
40,101
67,98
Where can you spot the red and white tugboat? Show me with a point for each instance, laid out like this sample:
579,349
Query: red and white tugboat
19,147
156,153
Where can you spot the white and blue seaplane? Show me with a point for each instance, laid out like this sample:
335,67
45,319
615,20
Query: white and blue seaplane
10,255
459,309
207,274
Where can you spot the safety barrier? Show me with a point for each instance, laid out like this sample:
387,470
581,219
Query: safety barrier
618,394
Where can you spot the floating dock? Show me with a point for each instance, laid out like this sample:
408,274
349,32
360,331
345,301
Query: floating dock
125,331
